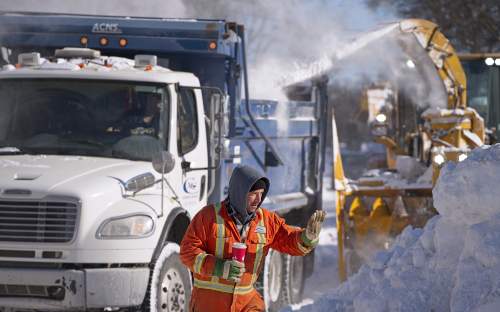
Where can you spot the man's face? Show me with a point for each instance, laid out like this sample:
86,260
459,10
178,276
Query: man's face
253,200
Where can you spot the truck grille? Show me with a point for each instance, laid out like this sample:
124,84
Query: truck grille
48,292
47,221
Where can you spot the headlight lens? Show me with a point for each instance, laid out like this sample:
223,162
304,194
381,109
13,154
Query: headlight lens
462,157
439,159
135,226
381,118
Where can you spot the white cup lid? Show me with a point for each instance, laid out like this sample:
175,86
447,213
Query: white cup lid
239,245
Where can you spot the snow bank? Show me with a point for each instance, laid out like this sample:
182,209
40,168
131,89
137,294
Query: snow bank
453,264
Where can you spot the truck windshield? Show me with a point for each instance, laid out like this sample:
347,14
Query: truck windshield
118,119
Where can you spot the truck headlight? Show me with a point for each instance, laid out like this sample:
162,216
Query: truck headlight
132,226
462,157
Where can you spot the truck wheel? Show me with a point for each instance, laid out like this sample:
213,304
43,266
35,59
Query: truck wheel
270,282
171,282
293,279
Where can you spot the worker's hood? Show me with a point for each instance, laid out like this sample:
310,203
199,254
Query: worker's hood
242,180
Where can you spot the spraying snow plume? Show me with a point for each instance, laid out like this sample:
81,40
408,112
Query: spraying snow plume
304,39
384,54
285,37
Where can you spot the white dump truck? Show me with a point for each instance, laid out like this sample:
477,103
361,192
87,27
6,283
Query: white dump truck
78,185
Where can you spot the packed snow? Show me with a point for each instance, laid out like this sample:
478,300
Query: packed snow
452,264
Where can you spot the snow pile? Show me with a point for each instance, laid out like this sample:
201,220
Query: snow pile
453,264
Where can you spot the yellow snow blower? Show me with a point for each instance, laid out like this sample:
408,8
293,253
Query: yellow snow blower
419,139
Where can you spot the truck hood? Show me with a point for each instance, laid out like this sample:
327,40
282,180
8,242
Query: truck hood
68,175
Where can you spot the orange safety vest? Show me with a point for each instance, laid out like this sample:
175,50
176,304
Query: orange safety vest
211,235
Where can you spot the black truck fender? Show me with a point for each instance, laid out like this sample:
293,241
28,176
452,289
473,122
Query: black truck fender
173,230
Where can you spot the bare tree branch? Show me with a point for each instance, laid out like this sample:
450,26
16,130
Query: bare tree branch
471,25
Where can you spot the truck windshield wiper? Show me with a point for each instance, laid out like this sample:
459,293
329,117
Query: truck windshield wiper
10,150
84,141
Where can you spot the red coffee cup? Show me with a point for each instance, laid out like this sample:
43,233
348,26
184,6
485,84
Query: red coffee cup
239,251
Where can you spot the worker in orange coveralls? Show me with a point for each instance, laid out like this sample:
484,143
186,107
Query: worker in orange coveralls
225,284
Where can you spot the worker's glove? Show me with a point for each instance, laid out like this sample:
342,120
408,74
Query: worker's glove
229,269
310,236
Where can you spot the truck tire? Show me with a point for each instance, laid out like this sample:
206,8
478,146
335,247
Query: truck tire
293,279
271,281
171,282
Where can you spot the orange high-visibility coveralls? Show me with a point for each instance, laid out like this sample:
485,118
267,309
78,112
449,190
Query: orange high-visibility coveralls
211,234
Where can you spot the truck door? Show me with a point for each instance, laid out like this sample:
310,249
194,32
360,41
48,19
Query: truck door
192,149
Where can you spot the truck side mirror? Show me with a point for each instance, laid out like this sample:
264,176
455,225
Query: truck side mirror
217,117
216,121
163,162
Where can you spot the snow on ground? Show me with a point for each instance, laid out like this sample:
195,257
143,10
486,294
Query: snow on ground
452,264
325,275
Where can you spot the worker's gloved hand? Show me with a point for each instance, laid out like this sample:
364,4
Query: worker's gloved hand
229,269
310,236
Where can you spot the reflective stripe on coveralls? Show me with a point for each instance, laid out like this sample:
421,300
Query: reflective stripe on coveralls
198,262
219,253
219,244
259,250
231,289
